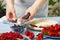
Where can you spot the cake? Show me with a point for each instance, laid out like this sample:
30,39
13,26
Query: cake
38,24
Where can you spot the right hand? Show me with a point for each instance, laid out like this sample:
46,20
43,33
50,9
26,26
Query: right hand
11,15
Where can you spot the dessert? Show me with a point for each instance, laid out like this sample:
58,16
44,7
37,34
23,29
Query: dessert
39,24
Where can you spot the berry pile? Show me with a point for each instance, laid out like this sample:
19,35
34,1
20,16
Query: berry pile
52,30
10,36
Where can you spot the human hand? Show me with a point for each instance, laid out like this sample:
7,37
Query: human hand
32,12
10,14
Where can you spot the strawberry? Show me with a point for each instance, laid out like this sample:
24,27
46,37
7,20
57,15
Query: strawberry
27,33
20,36
51,29
56,28
39,37
51,34
31,36
44,30
58,33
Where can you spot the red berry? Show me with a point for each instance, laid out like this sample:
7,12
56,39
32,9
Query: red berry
51,34
27,33
39,37
31,36
51,29
20,36
44,30
58,33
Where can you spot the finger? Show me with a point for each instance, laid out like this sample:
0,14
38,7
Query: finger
21,19
23,16
24,20
10,20
14,15
30,18
9,16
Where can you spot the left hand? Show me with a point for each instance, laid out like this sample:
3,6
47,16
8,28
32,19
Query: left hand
32,14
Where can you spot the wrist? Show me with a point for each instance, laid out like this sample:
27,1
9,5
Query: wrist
34,7
10,7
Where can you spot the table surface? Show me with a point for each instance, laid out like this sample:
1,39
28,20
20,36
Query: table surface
6,27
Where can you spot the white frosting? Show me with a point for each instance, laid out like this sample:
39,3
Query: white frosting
46,22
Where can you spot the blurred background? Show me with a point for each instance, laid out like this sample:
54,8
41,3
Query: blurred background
53,8
2,8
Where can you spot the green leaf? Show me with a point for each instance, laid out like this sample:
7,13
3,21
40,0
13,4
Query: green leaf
51,2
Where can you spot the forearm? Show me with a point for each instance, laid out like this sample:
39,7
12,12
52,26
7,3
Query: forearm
10,3
38,3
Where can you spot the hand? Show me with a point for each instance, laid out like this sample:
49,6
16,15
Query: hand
11,16
32,14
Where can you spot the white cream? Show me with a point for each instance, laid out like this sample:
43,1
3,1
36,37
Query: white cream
46,22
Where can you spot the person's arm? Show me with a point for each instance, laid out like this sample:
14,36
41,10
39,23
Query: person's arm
38,3
32,9
10,3
11,15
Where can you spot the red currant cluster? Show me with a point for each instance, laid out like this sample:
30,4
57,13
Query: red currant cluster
10,36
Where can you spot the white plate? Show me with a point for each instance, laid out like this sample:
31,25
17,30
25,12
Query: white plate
46,36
